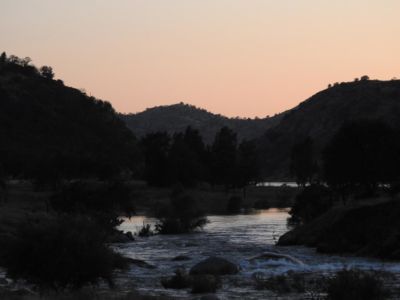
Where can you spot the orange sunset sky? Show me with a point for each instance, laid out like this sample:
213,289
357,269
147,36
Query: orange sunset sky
235,57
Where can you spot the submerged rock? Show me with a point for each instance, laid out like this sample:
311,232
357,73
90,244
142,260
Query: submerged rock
209,297
121,237
181,280
181,258
274,255
205,284
140,263
214,266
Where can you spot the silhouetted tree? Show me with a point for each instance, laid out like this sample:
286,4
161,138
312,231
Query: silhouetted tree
364,78
156,148
224,156
303,164
310,203
183,165
3,57
47,72
182,215
361,154
247,167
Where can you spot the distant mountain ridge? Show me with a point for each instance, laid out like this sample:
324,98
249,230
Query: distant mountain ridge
175,118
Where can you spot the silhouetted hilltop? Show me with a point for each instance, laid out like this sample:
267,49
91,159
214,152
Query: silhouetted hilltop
50,130
320,116
175,118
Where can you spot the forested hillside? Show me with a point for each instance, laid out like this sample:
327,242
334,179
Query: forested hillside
177,117
48,130
320,117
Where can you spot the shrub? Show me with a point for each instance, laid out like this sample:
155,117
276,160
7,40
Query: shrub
67,252
313,201
104,202
181,216
356,285
234,204
145,231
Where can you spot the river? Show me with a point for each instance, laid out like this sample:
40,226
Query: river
236,238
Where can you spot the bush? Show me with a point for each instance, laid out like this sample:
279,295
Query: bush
312,202
104,202
67,252
356,285
181,216
145,231
234,204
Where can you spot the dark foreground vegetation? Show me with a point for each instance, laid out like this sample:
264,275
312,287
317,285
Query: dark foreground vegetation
347,284
357,210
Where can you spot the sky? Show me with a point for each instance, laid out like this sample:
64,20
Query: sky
242,58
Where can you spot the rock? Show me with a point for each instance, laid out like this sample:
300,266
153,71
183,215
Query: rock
3,281
181,280
274,255
121,237
209,297
181,258
140,263
214,266
129,235
205,284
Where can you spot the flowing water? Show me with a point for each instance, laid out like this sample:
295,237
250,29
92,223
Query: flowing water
237,238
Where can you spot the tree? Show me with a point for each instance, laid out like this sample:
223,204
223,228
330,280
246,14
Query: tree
361,154
182,162
3,57
156,148
182,215
47,72
303,164
223,152
364,78
247,167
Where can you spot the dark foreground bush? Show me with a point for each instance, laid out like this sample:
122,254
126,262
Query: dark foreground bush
67,252
104,202
181,216
312,202
356,285
234,204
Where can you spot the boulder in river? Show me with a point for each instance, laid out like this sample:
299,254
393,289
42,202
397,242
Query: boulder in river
214,266
205,284
181,258
274,255
181,280
140,263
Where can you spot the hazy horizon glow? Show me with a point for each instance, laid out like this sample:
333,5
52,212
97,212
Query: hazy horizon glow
239,58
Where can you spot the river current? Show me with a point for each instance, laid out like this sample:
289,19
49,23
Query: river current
237,238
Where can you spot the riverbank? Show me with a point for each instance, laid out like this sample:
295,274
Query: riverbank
371,229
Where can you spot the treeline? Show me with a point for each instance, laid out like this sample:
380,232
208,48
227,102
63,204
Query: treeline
184,158
360,161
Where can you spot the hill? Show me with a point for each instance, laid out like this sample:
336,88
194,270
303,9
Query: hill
320,116
175,118
49,129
